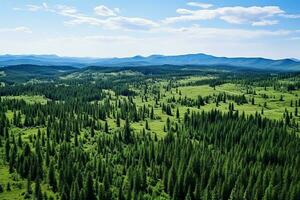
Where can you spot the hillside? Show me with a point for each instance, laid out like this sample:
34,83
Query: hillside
21,73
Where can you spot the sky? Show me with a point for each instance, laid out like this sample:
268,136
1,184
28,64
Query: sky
122,28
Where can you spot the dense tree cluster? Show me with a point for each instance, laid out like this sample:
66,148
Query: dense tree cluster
204,155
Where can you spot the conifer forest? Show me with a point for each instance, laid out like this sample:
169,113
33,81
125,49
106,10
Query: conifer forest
143,133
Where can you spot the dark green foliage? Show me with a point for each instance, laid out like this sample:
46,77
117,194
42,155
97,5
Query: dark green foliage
89,188
37,190
8,187
128,138
52,176
203,155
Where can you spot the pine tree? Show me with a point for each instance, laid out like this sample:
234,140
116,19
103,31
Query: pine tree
89,188
106,129
127,132
52,177
177,113
64,195
118,121
28,186
7,150
101,192
147,125
152,113
37,190
74,193
8,188
93,131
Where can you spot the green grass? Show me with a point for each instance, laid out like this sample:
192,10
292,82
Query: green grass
29,99
18,185
193,79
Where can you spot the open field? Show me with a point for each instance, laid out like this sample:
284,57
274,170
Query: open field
28,99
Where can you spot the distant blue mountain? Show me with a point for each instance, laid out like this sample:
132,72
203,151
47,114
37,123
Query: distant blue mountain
6,60
189,59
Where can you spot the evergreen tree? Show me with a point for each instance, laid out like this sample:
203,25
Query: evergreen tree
52,177
127,132
177,113
37,190
89,188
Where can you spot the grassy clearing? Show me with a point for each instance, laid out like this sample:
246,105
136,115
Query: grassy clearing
193,79
17,185
29,99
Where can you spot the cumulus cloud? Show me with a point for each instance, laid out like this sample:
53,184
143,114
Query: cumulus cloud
291,16
66,10
20,29
34,8
201,5
224,33
265,23
165,40
104,11
234,15
109,18
132,22
110,21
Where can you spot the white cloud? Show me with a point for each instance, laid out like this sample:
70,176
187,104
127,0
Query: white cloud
104,11
265,23
20,29
66,10
119,22
34,8
160,38
132,22
224,33
233,15
45,5
195,39
201,5
183,11
17,9
291,16
109,17
112,21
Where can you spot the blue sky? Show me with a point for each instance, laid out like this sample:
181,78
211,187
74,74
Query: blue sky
120,28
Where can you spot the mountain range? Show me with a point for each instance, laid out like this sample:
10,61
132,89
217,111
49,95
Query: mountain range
188,59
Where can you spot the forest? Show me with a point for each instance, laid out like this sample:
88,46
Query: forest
135,133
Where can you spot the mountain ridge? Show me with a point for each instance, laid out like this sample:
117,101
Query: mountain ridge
186,59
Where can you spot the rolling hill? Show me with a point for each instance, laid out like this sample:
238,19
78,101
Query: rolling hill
21,73
189,59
